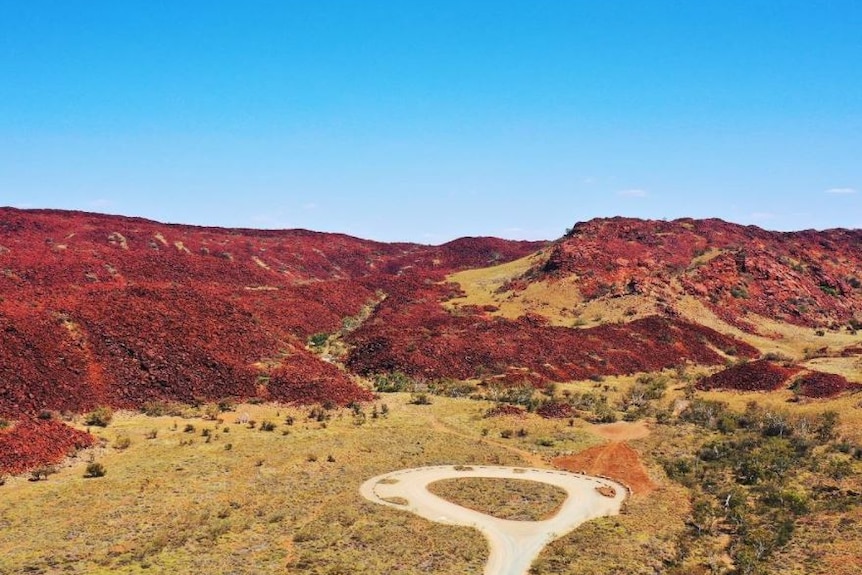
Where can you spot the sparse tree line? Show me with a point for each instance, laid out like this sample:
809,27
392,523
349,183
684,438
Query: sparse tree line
755,475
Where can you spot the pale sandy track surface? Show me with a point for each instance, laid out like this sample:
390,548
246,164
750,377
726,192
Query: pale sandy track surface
513,544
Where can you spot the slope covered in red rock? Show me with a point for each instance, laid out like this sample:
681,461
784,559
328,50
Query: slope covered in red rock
99,309
412,333
818,384
33,442
805,278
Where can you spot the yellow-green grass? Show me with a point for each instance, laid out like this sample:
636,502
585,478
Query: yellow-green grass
272,502
793,341
512,499
179,504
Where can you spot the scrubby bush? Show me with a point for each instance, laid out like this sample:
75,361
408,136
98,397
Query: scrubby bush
100,417
420,399
122,442
393,382
43,472
267,425
95,469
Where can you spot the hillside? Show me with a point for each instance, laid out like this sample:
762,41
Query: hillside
113,310
109,310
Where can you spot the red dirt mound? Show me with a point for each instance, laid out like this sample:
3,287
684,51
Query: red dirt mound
31,443
504,409
555,410
760,375
818,384
615,460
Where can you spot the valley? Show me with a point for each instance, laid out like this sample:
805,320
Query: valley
177,399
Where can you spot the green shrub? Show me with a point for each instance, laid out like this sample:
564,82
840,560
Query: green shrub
318,339
95,469
739,292
100,417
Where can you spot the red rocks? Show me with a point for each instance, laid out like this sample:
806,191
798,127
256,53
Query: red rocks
111,310
818,384
504,409
32,442
555,410
418,337
760,375
806,278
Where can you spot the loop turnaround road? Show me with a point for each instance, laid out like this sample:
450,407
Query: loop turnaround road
513,544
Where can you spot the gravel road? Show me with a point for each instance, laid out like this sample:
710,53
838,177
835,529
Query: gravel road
513,544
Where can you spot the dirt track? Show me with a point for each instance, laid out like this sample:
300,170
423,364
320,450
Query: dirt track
513,544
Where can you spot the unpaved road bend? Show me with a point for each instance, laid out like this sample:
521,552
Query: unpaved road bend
513,544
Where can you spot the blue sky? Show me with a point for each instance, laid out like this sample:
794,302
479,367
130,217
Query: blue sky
426,121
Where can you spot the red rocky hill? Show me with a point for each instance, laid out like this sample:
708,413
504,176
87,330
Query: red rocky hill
99,309
807,278
110,310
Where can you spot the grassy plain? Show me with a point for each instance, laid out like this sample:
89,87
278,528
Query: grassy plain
190,495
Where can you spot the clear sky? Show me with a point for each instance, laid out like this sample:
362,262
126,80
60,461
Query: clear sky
429,120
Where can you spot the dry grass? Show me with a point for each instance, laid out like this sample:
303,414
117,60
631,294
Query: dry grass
558,301
178,502
181,502
513,499
792,341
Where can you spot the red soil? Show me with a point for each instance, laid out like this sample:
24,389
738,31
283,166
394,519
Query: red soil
615,460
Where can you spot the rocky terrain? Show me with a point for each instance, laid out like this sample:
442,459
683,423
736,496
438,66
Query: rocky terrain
106,310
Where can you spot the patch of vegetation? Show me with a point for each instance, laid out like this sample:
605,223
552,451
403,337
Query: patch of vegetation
512,499
739,292
95,469
753,476
318,340
99,417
